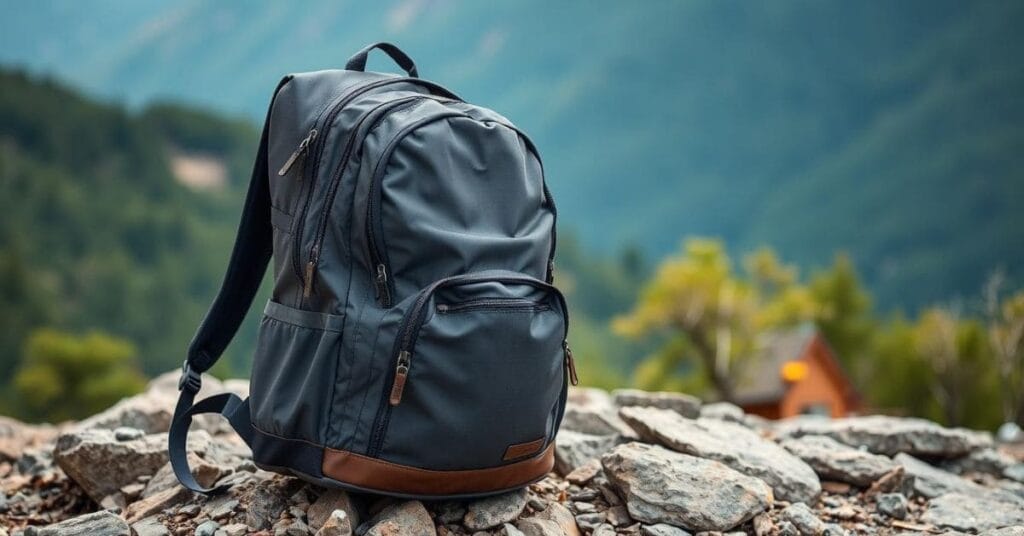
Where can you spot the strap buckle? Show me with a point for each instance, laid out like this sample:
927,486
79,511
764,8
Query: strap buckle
190,380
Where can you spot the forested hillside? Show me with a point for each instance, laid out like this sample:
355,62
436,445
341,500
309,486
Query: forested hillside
890,130
96,233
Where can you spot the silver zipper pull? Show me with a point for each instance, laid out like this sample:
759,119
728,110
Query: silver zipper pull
299,151
381,282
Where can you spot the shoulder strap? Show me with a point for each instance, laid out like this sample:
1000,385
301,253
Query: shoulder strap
249,258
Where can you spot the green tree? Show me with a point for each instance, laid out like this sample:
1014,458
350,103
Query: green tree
63,376
844,312
1006,335
709,316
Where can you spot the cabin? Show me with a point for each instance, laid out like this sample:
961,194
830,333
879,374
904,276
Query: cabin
795,372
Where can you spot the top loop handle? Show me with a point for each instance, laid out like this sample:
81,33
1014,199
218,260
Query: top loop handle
358,61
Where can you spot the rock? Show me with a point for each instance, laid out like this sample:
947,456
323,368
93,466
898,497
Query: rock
325,505
591,398
449,512
833,460
661,529
125,433
207,528
533,526
930,481
723,411
574,449
1015,472
763,525
661,486
1006,531
17,437
151,526
599,422
801,516
337,524
988,461
207,474
266,502
156,503
224,510
683,404
101,464
891,435
732,444
510,530
970,512
603,530
589,521
618,516
584,473
235,529
495,510
560,517
407,518
100,523
893,505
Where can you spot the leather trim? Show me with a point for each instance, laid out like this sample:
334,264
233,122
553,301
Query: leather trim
375,474
519,450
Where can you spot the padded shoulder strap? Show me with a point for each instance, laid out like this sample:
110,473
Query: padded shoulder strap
249,258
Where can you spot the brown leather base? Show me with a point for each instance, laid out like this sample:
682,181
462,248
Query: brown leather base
374,474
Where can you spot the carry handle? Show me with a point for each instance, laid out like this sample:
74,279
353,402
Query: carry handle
358,61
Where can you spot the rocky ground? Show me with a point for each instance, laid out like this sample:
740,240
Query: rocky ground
631,462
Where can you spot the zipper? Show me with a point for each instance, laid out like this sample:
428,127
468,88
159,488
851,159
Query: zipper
383,284
300,151
412,323
488,304
322,126
335,182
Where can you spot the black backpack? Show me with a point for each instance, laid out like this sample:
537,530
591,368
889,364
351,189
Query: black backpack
414,344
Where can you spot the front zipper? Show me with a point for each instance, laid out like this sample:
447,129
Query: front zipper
413,322
383,284
322,126
332,187
491,304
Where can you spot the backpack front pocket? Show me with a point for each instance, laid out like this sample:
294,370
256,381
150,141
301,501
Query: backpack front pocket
479,374
293,371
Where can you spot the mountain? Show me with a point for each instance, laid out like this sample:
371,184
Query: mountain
891,130
100,231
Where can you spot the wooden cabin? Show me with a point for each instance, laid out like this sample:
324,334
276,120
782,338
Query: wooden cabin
795,372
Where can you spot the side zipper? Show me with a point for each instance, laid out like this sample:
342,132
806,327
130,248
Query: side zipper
413,322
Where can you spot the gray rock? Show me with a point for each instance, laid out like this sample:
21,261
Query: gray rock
930,481
1015,472
156,503
661,529
833,460
407,518
325,505
589,521
224,510
683,404
267,501
891,435
971,512
495,510
125,433
151,410
801,516
723,411
207,528
893,505
510,530
989,461
337,524
101,464
207,474
575,449
234,529
661,486
1005,531
596,421
151,526
102,523
618,516
590,397
732,444
603,530
449,512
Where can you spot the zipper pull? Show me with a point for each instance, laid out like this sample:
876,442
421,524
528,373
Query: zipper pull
307,289
401,373
381,283
570,364
303,146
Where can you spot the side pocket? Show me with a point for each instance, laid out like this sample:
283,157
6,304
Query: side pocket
293,371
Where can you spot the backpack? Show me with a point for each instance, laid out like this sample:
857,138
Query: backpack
414,344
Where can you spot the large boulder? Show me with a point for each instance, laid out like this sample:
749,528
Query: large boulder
732,444
662,486
891,435
101,464
833,460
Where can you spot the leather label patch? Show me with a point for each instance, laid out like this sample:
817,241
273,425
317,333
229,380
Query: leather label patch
520,450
